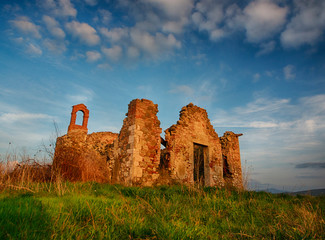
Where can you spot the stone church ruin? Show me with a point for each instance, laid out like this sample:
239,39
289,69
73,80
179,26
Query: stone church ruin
191,152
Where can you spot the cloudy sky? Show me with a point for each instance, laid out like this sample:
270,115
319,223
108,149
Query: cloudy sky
257,67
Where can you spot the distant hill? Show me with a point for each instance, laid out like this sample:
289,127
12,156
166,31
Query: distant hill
272,190
312,192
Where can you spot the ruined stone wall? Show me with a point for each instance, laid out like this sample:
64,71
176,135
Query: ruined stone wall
194,127
137,149
231,159
133,157
82,157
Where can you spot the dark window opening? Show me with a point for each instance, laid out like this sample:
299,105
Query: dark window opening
226,170
164,159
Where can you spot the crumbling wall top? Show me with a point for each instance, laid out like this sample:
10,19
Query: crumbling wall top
190,114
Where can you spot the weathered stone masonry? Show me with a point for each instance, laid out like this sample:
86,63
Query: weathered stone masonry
194,128
137,148
194,154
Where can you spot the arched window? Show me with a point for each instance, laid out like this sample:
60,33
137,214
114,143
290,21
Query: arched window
79,122
79,118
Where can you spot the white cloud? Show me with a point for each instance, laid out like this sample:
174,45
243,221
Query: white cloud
173,8
174,26
22,117
34,49
292,125
307,26
133,52
176,13
81,95
256,77
260,19
48,3
144,40
104,66
67,8
207,16
266,48
199,58
217,34
53,27
114,53
20,128
91,2
115,34
288,72
202,93
182,89
93,56
55,46
167,42
263,105
84,32
263,18
24,25
77,55
262,124
154,44
61,8
105,16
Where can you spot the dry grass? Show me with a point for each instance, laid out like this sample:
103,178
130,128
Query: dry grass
75,164
246,173
21,172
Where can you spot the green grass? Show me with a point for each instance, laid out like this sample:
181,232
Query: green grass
102,211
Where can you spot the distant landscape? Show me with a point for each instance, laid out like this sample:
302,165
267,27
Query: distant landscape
311,192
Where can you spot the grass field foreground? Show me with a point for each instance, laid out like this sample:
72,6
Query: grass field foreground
102,211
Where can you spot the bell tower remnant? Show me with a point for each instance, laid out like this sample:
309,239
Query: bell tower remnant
73,126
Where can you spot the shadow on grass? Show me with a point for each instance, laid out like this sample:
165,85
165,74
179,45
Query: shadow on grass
23,217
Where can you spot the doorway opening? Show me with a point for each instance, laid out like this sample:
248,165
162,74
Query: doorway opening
200,157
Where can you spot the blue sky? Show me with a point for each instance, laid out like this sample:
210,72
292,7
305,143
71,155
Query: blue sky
257,67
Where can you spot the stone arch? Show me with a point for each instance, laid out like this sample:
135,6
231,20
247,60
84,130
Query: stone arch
76,108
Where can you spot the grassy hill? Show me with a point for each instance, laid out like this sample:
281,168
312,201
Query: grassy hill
64,210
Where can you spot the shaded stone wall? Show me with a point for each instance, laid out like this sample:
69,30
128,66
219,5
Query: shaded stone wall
231,159
80,156
137,149
194,127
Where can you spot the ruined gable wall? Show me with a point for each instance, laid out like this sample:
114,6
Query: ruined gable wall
137,149
194,127
231,158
